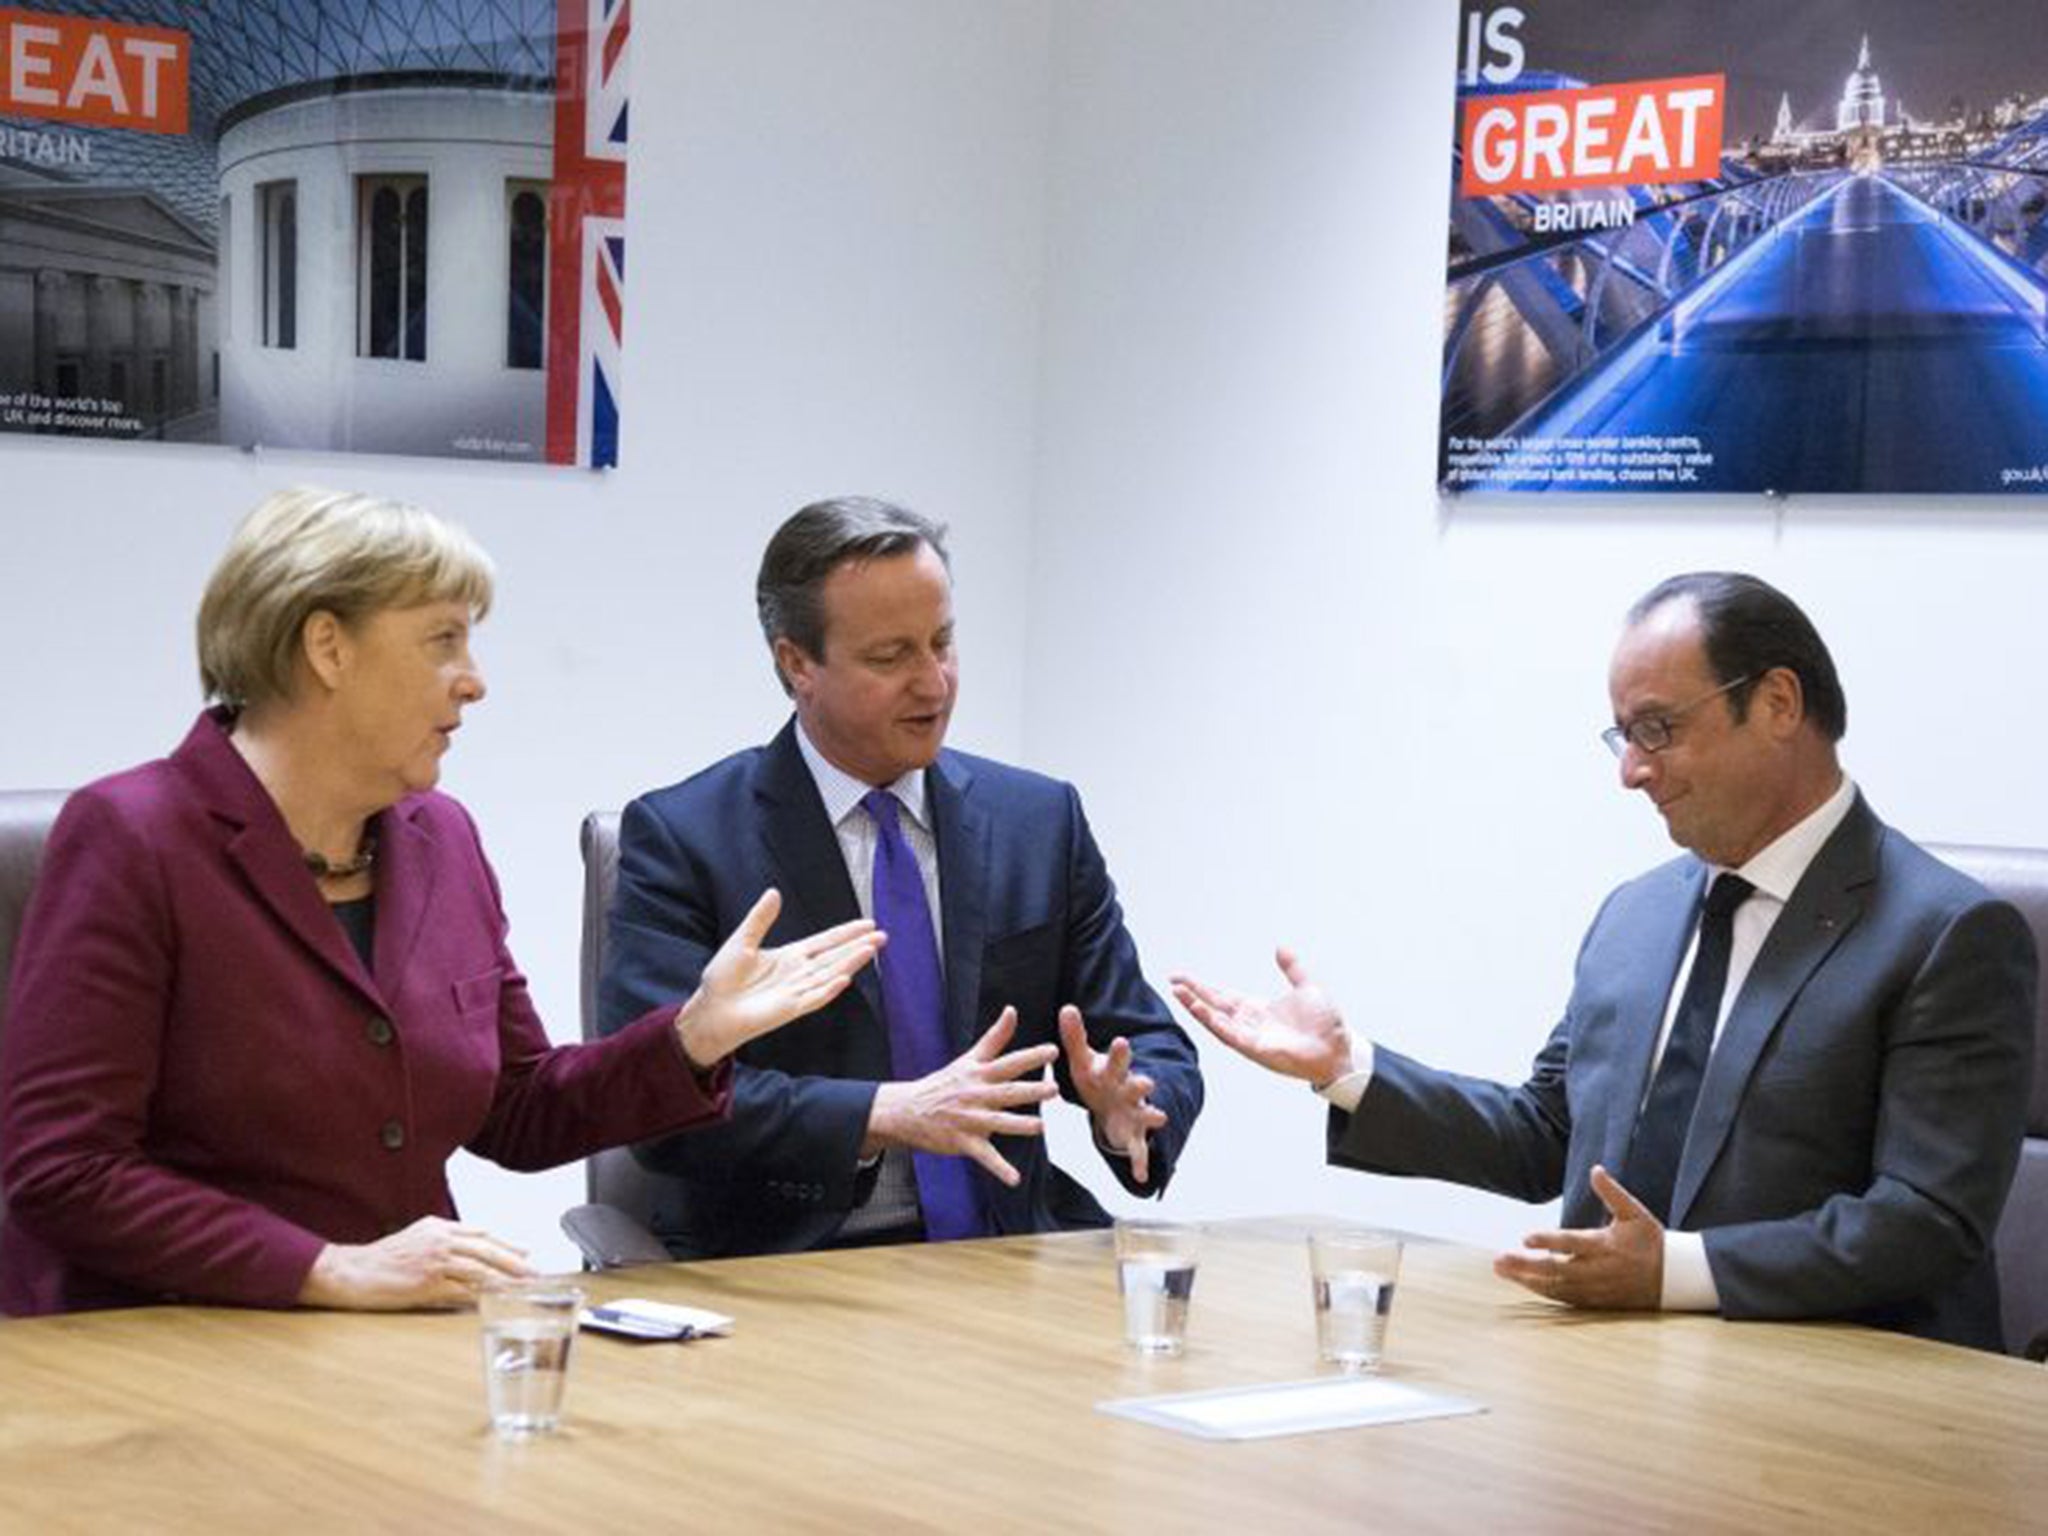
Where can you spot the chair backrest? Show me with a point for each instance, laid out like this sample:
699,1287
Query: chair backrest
614,1176
26,816
600,843
2020,876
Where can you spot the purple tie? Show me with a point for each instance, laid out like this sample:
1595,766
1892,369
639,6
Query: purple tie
914,1000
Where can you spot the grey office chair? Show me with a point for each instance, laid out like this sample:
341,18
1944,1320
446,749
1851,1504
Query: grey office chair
2020,875
26,816
614,1229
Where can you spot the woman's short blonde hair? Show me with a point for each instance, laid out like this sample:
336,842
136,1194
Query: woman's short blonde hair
305,550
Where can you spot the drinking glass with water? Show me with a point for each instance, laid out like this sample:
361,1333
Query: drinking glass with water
528,1328
1352,1273
1155,1271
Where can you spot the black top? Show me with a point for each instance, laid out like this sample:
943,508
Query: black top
359,922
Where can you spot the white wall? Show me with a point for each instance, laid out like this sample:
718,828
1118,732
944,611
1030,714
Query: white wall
1143,296
1339,713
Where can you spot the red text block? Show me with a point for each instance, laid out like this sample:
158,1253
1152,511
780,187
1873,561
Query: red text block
1624,135
71,69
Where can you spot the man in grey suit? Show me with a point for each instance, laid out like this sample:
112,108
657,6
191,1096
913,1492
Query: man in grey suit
1792,1074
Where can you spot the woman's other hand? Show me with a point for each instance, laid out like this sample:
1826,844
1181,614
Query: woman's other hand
432,1263
747,991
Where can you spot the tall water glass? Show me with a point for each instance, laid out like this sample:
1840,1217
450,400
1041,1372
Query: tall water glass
1155,1270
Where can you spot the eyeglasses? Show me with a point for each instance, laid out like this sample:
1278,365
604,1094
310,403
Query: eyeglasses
1652,733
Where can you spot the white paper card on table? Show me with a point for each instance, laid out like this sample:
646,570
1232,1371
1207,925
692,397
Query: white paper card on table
635,1317
1290,1407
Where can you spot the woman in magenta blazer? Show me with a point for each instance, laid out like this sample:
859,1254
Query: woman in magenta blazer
263,992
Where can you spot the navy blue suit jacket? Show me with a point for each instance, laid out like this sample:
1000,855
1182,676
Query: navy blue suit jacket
1861,1115
1028,916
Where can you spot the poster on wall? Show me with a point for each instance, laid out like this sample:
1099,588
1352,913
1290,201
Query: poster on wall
1755,246
371,226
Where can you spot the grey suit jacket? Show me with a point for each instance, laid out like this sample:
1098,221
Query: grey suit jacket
1861,1115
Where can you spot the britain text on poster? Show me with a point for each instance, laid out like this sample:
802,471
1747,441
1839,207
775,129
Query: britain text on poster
383,226
1759,245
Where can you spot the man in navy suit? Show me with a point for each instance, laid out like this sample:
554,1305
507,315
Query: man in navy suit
909,1108
1791,1079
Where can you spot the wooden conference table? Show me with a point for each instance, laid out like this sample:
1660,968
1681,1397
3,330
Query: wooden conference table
953,1389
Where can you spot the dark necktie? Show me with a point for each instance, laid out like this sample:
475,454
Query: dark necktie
1667,1112
914,1000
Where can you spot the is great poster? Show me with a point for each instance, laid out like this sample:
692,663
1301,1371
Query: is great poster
1759,245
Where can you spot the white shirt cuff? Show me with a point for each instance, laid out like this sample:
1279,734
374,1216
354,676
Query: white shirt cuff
1345,1092
1688,1279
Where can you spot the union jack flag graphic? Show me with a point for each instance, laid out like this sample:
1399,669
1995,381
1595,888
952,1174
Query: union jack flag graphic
587,231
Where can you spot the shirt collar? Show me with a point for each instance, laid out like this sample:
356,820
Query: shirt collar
842,792
1777,869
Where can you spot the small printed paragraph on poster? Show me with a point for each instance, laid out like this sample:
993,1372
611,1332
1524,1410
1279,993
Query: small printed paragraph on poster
25,410
1607,463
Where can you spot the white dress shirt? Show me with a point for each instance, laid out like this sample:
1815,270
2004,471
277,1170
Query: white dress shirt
1775,872
842,794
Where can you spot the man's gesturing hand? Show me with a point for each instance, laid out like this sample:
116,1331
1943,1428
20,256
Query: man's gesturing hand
1299,1033
1115,1095
957,1109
